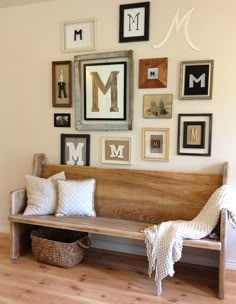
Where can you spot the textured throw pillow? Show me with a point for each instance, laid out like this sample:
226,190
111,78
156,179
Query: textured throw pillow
76,198
42,194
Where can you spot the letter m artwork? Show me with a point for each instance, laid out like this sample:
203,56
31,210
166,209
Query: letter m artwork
105,91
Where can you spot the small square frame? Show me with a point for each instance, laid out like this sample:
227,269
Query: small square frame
153,73
112,74
78,36
157,105
61,84
116,150
62,120
196,79
134,22
194,134
156,144
75,149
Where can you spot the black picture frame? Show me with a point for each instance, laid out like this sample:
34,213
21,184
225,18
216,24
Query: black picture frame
62,120
75,149
196,79
194,134
134,22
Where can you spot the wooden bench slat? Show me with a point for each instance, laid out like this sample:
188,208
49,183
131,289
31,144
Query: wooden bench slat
106,226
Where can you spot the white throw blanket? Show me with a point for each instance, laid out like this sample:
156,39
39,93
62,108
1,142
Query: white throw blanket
164,242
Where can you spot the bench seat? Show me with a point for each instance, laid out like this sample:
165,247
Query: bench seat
105,226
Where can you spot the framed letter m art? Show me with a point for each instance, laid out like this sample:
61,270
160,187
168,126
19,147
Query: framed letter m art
104,91
75,149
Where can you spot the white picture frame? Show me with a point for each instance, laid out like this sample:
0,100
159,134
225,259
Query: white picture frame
116,150
156,144
79,35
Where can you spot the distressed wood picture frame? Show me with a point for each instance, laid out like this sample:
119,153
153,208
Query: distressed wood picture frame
104,91
61,84
75,149
79,35
157,105
153,73
156,144
116,150
194,134
196,79
134,22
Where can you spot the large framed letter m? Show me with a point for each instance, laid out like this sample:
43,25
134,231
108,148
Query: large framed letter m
104,91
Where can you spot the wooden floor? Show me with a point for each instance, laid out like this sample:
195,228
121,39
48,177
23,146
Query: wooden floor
104,277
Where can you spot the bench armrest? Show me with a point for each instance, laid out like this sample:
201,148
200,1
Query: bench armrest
17,201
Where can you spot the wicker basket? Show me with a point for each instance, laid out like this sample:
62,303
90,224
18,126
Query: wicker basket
63,248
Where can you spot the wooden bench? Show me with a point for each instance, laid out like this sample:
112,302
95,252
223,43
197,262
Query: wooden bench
126,201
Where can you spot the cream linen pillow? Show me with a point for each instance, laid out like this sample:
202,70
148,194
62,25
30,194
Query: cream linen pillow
42,194
76,198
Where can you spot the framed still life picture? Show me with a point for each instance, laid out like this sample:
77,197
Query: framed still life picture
157,106
196,79
156,144
194,134
75,149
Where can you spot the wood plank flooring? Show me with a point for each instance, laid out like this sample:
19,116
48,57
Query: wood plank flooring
104,277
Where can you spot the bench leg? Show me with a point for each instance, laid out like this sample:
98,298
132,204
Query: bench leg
19,239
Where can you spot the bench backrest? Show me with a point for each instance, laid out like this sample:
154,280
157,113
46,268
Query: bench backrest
143,195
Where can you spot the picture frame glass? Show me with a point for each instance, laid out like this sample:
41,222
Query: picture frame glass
104,91
196,79
194,134
78,35
156,144
75,149
134,22
157,105
116,150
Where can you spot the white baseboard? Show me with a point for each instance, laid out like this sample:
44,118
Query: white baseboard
4,229
190,255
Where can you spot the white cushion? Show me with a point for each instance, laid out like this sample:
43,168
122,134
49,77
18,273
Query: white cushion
76,198
42,194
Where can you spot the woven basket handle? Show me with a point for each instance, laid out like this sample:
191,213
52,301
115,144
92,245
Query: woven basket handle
84,242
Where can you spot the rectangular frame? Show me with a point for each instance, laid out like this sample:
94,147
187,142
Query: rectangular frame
75,149
116,150
196,79
157,105
156,144
153,73
62,120
194,134
134,22
104,91
79,35
61,84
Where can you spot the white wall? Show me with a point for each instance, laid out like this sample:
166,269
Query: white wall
31,40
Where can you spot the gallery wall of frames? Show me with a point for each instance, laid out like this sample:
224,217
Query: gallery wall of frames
103,86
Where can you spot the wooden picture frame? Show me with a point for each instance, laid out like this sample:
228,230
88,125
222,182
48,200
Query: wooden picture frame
104,91
196,79
134,22
75,149
194,134
62,120
156,144
78,36
157,105
61,84
116,150
153,73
